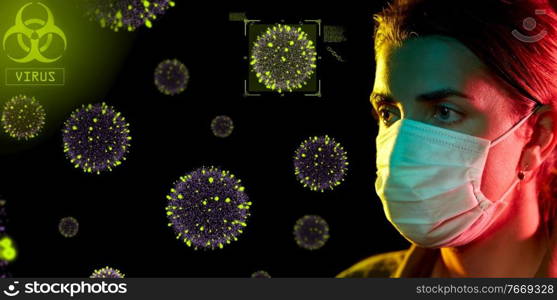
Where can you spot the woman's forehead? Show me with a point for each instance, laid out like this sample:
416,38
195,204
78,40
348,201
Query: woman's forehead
425,64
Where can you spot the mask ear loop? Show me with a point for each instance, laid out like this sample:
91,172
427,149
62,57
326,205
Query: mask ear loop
546,232
497,140
521,174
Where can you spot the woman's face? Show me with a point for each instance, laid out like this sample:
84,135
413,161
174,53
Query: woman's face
437,80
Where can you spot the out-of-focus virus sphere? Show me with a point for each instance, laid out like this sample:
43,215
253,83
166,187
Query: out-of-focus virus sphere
283,58
222,126
4,273
23,117
107,272
311,232
7,249
127,14
171,77
96,138
68,227
3,216
208,208
320,163
260,274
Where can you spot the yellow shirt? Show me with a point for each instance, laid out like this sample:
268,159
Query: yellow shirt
412,262
419,262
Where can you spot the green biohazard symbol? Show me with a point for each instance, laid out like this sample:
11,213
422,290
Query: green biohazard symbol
30,33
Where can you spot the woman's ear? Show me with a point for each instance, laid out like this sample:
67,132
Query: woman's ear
543,139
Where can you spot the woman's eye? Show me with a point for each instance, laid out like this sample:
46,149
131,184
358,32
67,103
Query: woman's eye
447,115
387,114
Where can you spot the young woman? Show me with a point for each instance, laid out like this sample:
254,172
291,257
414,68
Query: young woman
465,94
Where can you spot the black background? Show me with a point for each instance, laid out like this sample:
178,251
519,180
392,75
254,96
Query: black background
121,213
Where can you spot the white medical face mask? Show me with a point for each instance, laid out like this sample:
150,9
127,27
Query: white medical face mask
429,178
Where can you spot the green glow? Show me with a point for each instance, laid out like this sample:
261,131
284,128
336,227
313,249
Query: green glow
7,249
91,60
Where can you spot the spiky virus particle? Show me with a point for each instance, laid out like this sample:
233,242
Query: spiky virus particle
23,117
222,126
171,77
96,138
311,232
208,208
283,58
68,227
320,163
107,272
260,274
127,14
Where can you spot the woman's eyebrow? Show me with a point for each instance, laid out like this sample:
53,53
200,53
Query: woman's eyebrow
434,96
442,94
380,98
